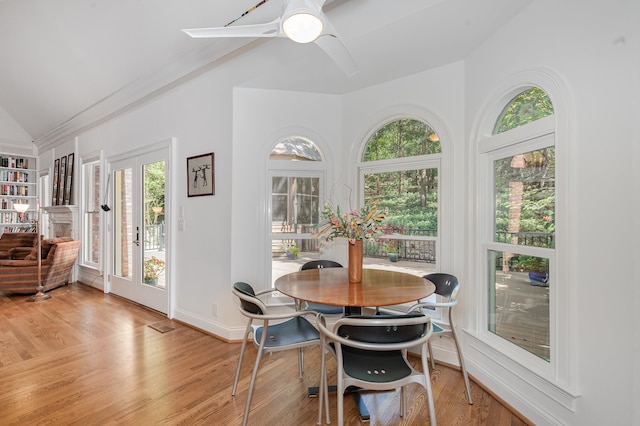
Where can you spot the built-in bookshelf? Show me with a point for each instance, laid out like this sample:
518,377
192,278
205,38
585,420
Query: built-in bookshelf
18,184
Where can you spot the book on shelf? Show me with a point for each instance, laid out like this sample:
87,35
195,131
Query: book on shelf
14,162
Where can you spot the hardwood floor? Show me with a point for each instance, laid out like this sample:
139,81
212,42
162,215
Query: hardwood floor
86,358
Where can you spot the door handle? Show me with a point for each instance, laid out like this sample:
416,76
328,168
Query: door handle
137,240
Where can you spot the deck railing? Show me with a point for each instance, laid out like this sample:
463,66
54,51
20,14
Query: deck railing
532,239
154,237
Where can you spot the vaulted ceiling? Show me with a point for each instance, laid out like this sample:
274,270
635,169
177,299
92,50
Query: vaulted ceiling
67,65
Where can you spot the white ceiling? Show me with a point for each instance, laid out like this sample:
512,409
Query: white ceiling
66,65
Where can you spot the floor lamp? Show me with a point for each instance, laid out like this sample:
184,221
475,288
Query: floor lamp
22,208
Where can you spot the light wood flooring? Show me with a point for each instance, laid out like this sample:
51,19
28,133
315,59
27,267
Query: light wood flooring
86,358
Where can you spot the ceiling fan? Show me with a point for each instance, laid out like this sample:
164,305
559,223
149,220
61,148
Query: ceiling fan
302,21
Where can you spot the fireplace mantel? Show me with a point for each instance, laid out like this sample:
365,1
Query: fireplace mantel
63,221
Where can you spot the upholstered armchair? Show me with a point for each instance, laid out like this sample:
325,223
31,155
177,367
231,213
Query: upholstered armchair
21,276
16,245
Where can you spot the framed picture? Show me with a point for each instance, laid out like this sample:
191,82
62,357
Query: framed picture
61,180
56,177
200,175
68,180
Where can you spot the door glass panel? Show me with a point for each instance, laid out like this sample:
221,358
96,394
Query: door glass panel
123,211
153,259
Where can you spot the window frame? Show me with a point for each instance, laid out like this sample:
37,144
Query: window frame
557,380
441,161
85,193
289,168
44,193
432,161
488,243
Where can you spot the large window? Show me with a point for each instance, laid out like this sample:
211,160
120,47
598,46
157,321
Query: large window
520,254
296,174
90,255
400,166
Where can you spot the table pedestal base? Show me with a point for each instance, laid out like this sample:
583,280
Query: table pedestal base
355,394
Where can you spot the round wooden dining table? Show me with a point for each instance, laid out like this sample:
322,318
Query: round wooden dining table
331,286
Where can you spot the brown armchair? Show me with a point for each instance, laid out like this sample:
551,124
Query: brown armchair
21,276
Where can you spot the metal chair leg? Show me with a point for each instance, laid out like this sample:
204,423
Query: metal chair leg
254,374
340,397
462,366
323,392
244,345
427,385
433,360
300,362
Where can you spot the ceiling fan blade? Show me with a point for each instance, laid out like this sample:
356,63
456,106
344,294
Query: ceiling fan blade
333,46
269,29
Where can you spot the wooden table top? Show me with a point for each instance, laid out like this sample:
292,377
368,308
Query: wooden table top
331,286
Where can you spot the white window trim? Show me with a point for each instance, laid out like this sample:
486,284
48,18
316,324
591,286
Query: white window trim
95,157
528,378
317,169
432,161
427,161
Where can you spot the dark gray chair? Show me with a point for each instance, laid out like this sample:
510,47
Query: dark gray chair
447,287
371,353
318,307
295,332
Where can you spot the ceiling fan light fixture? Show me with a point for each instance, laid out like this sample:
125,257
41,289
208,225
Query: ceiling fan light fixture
302,27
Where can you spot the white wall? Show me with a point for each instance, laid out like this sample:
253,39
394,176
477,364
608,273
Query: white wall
588,45
199,115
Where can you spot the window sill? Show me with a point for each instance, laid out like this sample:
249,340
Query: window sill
512,372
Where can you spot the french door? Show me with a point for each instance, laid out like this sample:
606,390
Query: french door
139,256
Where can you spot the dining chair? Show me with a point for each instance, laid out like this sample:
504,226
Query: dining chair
371,353
447,287
319,307
295,332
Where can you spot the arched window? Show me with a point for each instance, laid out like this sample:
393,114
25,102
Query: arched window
296,172
528,106
401,138
295,149
400,166
521,249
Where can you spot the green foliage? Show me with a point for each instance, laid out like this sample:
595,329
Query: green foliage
154,184
410,198
401,138
530,263
530,105
525,183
